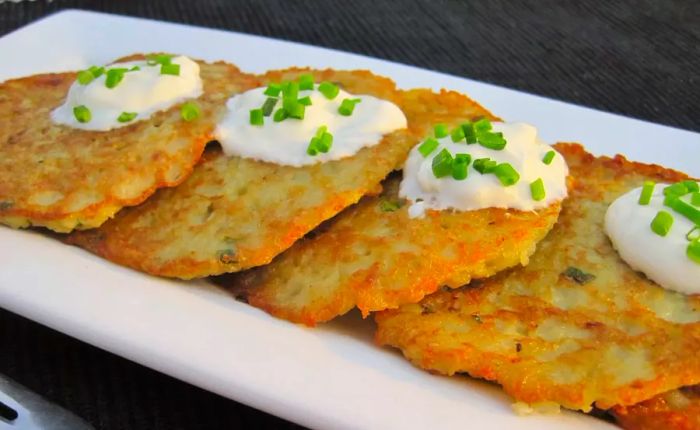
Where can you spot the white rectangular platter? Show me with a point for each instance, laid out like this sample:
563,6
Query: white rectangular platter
329,377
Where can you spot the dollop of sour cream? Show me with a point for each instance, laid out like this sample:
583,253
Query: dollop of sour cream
286,142
662,259
144,92
524,151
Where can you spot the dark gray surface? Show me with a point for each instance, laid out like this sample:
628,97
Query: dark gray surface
640,59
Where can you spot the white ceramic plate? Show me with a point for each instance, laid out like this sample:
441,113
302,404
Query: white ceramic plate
329,377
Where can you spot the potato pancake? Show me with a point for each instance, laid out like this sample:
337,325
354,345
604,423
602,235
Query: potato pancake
235,213
374,256
577,326
677,409
64,178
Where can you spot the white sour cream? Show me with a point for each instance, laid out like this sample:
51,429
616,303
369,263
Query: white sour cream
661,259
524,151
143,92
286,142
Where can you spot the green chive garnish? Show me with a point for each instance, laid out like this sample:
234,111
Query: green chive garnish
273,90
662,222
482,126
126,116
428,146
347,106
678,189
695,199
389,206
469,132
280,115
296,111
96,71
170,69
190,111
82,114
441,131
457,134
647,191
493,141
268,106
442,164
548,157
693,234
329,90
306,101
85,77
537,190
256,117
322,142
161,59
306,82
506,174
290,94
693,251
484,165
687,210
114,77
460,165
691,186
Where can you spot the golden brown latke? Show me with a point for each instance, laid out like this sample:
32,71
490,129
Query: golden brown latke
549,334
677,410
375,258
64,178
234,213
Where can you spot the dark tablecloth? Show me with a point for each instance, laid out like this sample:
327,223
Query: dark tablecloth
637,58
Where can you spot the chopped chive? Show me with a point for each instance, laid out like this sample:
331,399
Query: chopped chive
469,132
161,59
329,90
662,222
678,189
82,114
691,186
460,165
693,234
290,94
256,117
506,174
548,157
325,142
114,77
135,69
484,165
190,111
647,191
537,190
687,210
170,69
296,111
695,199
280,115
389,206
428,146
347,106
306,82
322,129
693,251
457,134
268,106
442,164
306,101
493,141
96,71
85,77
441,131
273,90
126,116
482,126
